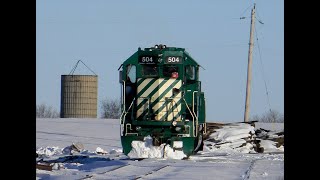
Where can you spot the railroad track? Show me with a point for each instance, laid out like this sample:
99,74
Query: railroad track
152,171
158,168
105,172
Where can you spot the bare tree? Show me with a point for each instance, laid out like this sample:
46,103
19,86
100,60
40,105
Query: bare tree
271,116
110,108
45,111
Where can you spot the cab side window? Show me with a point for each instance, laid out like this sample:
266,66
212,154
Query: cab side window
131,73
190,72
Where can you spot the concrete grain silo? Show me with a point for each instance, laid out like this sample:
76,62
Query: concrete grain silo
79,96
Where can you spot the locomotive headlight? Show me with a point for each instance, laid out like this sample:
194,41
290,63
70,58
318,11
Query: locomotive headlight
156,46
178,129
174,123
138,128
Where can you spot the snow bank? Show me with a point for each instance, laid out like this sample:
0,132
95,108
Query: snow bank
56,151
270,141
49,151
244,138
232,132
231,137
145,149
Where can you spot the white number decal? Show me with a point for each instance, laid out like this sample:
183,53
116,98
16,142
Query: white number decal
147,59
173,59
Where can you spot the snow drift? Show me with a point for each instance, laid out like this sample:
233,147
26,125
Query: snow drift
145,149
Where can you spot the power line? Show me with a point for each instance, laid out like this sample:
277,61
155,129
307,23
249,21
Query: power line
259,18
262,70
245,11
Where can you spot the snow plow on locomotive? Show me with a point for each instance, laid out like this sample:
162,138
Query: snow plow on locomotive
162,98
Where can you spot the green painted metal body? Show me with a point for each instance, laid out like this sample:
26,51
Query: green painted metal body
166,105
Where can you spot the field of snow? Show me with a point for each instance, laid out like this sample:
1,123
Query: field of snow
102,157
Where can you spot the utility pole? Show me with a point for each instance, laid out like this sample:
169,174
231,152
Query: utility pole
247,106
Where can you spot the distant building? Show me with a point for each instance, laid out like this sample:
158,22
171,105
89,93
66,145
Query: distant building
79,96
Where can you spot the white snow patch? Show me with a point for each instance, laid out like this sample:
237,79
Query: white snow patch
115,151
173,154
232,132
49,151
248,148
145,149
281,148
236,137
236,143
270,146
99,150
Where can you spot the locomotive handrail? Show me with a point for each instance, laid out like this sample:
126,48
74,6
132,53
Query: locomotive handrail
130,129
194,112
128,109
123,100
191,115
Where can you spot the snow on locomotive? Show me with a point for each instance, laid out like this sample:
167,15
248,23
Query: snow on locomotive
162,98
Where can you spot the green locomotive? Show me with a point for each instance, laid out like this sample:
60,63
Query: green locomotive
162,98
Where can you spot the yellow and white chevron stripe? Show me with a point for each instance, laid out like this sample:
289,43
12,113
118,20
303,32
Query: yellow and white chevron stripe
158,95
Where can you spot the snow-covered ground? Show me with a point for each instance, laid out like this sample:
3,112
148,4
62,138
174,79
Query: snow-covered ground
102,158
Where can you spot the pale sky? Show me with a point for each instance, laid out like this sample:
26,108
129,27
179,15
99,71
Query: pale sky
103,34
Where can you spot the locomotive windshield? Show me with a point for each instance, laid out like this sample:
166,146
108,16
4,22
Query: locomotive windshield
169,70
149,70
